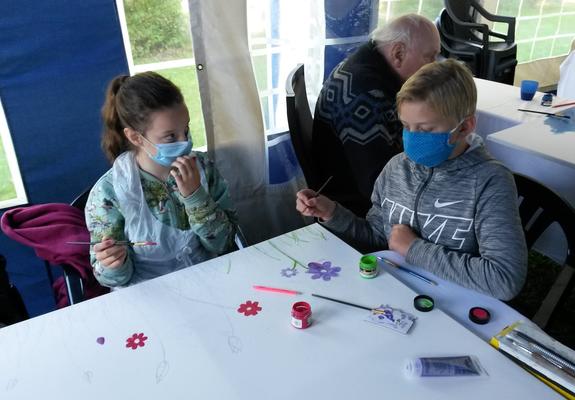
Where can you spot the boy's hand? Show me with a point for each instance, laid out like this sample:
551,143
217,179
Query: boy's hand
110,255
311,205
401,238
187,175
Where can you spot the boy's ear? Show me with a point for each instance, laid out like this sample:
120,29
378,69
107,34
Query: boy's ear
468,126
134,137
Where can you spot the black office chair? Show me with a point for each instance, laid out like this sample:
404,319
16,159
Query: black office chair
300,123
539,208
497,58
12,308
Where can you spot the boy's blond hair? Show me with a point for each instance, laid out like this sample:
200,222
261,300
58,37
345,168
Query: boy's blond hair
447,87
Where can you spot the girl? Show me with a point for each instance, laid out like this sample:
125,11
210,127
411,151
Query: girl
157,190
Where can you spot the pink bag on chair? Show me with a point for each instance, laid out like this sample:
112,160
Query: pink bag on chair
46,228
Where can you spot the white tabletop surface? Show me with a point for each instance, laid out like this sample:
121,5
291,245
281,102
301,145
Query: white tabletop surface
455,300
200,347
549,137
535,145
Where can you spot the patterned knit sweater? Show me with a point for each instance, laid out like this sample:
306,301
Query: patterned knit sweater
356,130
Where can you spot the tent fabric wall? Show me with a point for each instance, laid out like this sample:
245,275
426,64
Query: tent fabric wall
236,140
234,125
56,58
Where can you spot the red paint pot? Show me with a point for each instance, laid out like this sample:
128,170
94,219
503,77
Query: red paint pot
301,315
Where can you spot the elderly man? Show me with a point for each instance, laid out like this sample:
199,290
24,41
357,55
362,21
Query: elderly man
356,130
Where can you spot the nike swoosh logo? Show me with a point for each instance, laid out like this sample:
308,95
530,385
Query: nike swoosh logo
438,204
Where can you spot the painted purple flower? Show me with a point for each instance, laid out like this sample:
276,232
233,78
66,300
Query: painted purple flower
288,272
322,270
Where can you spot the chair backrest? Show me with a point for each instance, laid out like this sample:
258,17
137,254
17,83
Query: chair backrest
300,123
539,207
452,47
74,284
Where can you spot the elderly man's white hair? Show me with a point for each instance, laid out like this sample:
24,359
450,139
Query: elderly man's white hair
404,29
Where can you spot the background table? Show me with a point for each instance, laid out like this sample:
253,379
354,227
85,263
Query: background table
538,146
200,346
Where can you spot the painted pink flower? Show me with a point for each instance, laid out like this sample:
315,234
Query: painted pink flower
249,308
136,340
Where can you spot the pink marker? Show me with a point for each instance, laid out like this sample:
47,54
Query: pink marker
275,290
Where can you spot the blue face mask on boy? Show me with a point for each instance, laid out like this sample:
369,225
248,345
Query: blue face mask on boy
167,153
428,148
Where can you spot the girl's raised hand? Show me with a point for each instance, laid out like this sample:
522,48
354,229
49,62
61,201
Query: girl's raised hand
308,203
187,175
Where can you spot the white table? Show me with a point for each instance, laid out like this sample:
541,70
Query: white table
199,346
538,146
455,300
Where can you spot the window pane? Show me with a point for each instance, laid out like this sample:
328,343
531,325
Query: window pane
161,41
11,186
261,71
541,49
568,25
187,80
548,26
529,8
7,190
158,30
562,47
429,9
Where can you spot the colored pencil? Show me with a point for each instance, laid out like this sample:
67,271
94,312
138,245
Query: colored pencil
544,113
275,290
410,272
121,242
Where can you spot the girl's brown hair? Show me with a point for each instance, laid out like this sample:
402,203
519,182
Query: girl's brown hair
129,103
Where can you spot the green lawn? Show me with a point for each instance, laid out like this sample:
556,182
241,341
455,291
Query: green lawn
7,190
186,79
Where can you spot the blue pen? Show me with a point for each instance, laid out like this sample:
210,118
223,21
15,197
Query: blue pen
410,272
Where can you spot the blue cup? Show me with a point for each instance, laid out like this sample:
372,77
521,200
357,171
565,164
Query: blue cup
528,89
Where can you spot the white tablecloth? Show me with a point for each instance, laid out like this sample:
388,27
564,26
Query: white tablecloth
199,346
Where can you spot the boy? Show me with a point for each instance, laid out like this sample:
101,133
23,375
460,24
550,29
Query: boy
444,204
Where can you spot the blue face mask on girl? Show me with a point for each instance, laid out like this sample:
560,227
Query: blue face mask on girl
167,153
428,148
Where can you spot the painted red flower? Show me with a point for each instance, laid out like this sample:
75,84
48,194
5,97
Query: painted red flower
136,340
249,308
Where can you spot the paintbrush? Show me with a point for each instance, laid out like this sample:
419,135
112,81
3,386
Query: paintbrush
322,186
120,243
347,303
544,113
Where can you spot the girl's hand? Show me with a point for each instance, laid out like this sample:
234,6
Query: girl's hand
187,175
110,255
311,205
401,238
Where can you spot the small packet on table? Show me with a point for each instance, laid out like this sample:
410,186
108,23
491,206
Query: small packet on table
392,318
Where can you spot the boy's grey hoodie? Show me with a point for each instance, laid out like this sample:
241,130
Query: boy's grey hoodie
464,211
